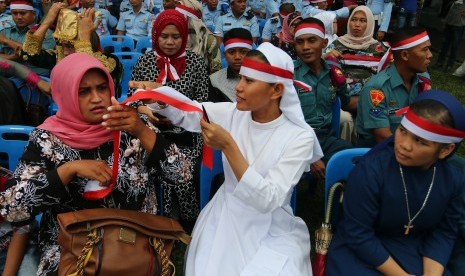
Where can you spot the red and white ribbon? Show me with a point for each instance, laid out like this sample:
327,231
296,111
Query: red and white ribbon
93,191
237,43
411,41
430,131
189,12
268,73
309,28
169,69
20,5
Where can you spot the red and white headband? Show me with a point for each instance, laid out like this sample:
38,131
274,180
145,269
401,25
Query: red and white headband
411,41
21,5
317,1
430,131
236,43
310,28
269,73
189,12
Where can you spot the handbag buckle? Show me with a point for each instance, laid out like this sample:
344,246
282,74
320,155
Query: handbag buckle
127,235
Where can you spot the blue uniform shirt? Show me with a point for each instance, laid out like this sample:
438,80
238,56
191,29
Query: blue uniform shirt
268,7
210,17
6,21
272,27
136,26
297,4
108,21
381,10
228,21
311,11
102,4
146,5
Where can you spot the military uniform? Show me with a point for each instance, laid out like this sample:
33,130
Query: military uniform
6,21
228,21
272,27
268,7
379,100
210,17
146,5
102,4
316,105
108,21
311,11
136,26
297,4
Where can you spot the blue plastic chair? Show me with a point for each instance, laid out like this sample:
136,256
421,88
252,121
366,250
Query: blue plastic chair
13,140
207,175
336,116
116,43
144,45
128,60
339,167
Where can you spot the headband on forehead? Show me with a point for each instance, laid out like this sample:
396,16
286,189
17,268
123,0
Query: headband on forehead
21,5
430,131
310,28
411,41
236,43
269,73
189,12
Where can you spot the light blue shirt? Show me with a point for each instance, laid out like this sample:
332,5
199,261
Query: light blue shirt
210,17
272,27
269,7
383,9
102,4
108,21
136,26
6,21
146,5
311,11
228,21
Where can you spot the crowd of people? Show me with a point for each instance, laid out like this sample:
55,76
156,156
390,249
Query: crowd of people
257,80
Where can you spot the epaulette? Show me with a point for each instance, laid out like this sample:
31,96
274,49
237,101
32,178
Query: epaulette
249,14
274,20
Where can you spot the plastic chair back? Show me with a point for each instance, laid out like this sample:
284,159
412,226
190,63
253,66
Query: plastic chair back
144,45
116,43
336,116
340,165
13,140
207,176
128,60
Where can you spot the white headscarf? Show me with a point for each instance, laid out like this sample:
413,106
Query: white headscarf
328,19
290,103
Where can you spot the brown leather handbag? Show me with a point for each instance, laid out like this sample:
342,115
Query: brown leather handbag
117,242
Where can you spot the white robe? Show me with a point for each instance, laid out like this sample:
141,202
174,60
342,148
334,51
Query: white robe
248,228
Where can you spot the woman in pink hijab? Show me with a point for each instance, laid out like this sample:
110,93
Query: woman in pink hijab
285,38
70,156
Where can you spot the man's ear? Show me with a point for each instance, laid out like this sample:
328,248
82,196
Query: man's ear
404,55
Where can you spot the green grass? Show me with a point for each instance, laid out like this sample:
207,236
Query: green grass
311,208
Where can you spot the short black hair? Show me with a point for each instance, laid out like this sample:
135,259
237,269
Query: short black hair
434,112
287,7
238,33
312,20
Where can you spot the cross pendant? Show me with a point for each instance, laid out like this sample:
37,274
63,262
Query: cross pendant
407,228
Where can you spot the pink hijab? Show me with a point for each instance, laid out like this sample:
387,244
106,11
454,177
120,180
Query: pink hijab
285,33
68,124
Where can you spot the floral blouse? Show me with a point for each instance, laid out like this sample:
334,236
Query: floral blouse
357,74
36,186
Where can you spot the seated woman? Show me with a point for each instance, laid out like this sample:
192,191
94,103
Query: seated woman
172,65
74,33
76,146
285,38
403,200
248,228
359,54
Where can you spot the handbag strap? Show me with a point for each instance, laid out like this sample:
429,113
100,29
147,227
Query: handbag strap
92,239
165,260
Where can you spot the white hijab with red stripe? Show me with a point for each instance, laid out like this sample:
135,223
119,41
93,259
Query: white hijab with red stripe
282,71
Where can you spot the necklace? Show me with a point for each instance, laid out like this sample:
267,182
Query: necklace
410,219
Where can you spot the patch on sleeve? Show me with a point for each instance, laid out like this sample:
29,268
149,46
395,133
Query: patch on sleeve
376,112
376,96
